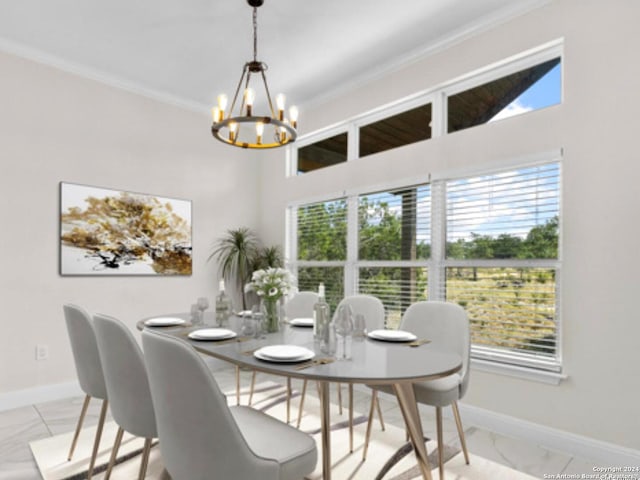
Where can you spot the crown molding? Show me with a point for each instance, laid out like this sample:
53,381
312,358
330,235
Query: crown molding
482,24
114,81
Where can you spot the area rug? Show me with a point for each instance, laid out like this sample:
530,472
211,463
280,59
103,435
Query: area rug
388,452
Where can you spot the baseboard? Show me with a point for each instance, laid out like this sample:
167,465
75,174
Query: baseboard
46,393
604,453
587,448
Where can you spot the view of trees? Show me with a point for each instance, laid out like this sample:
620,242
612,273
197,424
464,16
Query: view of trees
509,307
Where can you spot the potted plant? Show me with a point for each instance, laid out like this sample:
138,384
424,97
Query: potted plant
238,254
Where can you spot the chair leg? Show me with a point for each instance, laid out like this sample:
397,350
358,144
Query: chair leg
379,413
304,392
237,385
253,386
350,387
83,412
463,443
440,442
96,442
367,435
145,458
114,453
339,398
288,399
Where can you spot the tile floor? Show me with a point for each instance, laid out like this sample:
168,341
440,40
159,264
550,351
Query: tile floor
22,425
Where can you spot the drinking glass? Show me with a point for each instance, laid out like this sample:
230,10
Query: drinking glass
203,304
359,327
248,328
344,331
196,314
258,319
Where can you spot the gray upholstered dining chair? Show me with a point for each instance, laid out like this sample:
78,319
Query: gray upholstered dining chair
299,306
447,326
127,384
89,371
201,437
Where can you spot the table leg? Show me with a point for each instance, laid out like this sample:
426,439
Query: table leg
325,422
237,385
409,408
351,418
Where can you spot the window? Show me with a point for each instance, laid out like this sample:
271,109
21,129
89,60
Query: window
395,131
323,153
523,83
501,260
533,88
321,247
488,243
394,235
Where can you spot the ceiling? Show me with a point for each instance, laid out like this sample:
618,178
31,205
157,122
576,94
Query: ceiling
188,51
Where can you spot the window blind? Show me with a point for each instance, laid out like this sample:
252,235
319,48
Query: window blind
501,266
394,243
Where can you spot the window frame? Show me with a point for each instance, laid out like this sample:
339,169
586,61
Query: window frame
437,96
549,370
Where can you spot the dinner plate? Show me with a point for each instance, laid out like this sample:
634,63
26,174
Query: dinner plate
164,322
212,334
284,353
301,322
392,335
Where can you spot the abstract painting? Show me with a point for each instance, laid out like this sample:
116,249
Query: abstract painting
112,232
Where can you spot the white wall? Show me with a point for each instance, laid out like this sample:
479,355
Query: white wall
596,126
57,127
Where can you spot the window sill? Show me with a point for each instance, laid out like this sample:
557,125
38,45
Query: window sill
551,378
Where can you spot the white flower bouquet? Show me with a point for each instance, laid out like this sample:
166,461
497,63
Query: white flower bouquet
272,283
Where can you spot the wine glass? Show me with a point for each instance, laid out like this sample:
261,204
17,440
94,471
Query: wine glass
344,330
203,304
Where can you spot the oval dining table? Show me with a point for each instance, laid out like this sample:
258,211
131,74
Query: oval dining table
373,362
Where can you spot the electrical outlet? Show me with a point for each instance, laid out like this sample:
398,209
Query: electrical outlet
42,352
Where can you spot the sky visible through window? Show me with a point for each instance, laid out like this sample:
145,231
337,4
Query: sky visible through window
544,93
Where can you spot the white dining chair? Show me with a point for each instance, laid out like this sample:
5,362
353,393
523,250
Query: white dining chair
89,371
201,437
372,309
299,306
127,384
446,325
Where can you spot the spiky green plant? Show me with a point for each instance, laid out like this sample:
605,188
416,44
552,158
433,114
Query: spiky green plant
235,254
268,257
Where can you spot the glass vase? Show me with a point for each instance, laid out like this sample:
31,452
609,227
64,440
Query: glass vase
271,311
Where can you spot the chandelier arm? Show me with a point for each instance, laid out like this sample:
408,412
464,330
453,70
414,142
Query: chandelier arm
266,89
235,96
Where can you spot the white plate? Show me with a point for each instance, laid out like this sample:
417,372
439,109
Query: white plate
212,334
284,353
301,322
244,313
164,321
392,335
301,358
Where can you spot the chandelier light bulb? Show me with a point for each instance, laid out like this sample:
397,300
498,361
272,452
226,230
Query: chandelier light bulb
280,101
293,116
215,114
233,128
259,131
222,105
249,98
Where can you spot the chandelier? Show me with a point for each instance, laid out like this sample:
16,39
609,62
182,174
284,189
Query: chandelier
241,127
